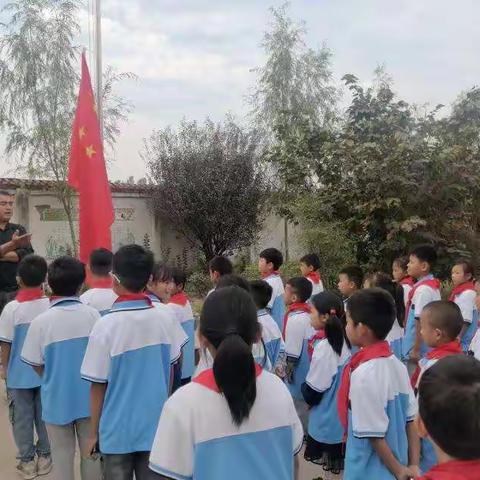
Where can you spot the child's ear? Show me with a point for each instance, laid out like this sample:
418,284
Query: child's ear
420,426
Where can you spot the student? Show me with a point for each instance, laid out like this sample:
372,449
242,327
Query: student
401,276
128,362
269,263
449,416
55,346
298,331
234,420
180,304
271,334
310,266
464,295
161,285
425,290
350,279
218,267
330,353
440,325
395,336
100,295
376,403
23,383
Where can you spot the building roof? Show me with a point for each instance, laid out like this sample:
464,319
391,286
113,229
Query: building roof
7,183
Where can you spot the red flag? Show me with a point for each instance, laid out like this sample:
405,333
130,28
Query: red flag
87,173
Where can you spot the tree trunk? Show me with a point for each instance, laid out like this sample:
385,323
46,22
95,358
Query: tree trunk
66,199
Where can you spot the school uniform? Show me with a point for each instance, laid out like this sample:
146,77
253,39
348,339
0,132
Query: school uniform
57,340
131,350
454,470
464,296
395,339
271,336
276,305
475,345
381,402
183,311
407,284
425,291
23,384
196,437
316,281
101,299
323,380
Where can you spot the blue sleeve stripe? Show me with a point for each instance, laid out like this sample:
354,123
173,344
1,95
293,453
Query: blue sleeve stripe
31,363
369,434
6,340
94,379
167,473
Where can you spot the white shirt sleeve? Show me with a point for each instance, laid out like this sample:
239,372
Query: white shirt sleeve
475,345
33,347
7,323
323,367
369,418
294,337
96,362
423,296
274,293
172,453
466,303
178,337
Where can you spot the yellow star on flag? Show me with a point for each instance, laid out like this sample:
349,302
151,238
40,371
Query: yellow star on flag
90,151
82,131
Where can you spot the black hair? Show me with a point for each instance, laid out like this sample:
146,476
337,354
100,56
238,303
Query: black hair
161,272
467,266
354,274
233,280
402,262
261,293
448,400
311,260
385,282
272,255
100,262
179,277
229,322
375,308
221,264
65,276
446,316
301,287
133,265
425,253
6,193
327,303
32,270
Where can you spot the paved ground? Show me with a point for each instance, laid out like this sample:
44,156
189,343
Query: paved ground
7,451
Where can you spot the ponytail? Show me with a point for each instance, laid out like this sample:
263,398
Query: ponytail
335,333
234,372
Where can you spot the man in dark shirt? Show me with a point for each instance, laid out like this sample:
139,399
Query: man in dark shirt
14,245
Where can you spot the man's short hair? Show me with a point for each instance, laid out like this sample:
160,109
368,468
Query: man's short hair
301,287
32,270
446,316
6,193
425,253
101,262
65,276
272,255
133,265
354,274
261,292
221,264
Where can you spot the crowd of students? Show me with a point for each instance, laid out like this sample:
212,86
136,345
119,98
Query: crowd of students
383,383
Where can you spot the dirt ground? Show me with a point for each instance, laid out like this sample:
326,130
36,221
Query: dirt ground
8,462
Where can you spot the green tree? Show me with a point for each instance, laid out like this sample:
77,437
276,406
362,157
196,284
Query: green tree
39,80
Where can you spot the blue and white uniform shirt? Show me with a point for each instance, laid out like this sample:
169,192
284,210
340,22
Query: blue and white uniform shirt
132,350
381,403
196,437
395,339
277,303
324,376
101,299
15,321
466,303
475,345
298,332
271,336
57,340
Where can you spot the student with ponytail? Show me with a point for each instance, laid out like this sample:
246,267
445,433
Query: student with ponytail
234,420
329,349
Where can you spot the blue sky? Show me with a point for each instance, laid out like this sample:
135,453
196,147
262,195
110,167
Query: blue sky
193,57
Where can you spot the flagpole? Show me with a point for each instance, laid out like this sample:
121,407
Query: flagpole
98,62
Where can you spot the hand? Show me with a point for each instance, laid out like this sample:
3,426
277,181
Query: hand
90,447
415,469
405,473
21,240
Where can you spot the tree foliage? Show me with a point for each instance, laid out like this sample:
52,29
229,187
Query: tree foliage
210,185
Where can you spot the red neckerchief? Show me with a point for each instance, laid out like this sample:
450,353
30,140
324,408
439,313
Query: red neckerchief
207,378
377,350
445,350
275,273
431,282
130,297
106,282
319,335
314,277
407,281
179,299
454,470
29,294
463,287
295,307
